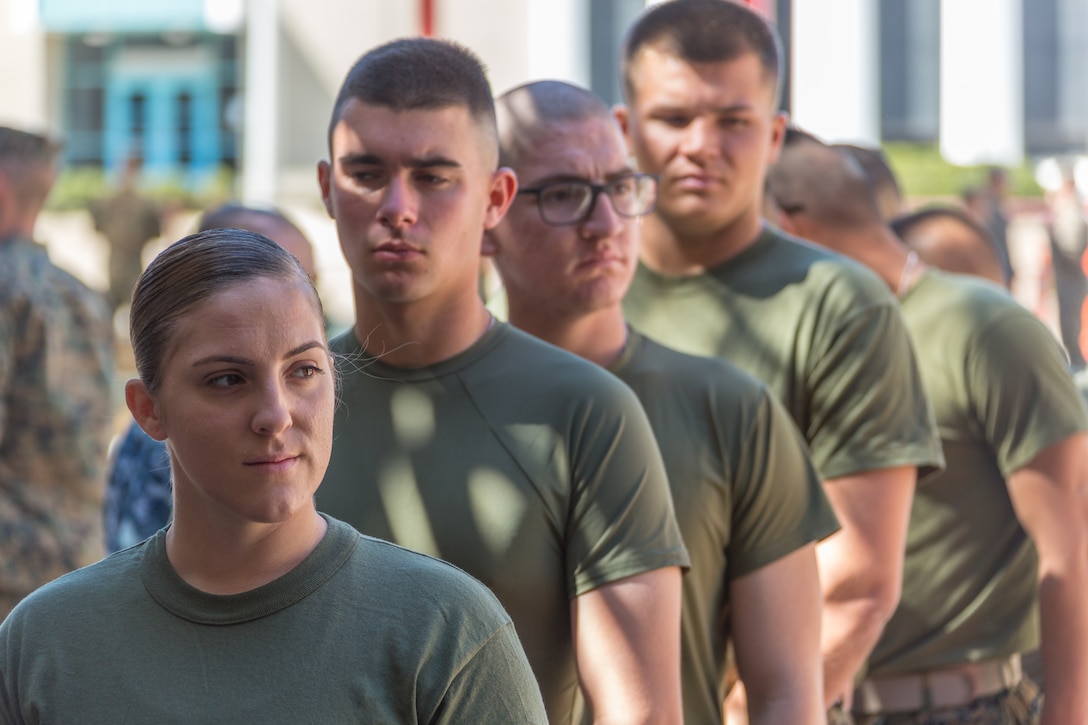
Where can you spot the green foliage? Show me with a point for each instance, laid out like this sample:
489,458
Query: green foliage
922,172
76,187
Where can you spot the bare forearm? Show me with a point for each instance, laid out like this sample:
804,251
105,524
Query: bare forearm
1064,623
851,629
787,705
1049,497
861,569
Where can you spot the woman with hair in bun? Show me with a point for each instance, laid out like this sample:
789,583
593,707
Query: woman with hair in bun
252,606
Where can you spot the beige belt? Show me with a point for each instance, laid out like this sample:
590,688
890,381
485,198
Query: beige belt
937,689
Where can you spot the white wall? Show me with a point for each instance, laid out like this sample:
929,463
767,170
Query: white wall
835,65
23,92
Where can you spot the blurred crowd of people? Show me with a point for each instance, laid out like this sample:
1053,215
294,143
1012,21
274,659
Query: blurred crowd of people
742,440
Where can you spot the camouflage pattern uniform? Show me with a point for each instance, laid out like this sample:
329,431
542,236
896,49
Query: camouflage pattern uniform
139,496
56,360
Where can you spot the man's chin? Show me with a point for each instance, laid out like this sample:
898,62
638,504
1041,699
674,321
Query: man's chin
693,217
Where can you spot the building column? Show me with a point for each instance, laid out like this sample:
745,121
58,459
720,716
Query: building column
982,71
260,129
835,68
558,40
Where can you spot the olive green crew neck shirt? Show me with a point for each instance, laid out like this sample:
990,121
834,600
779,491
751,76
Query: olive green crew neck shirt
1001,392
360,631
745,493
821,331
528,467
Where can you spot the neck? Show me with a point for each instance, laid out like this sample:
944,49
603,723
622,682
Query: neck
881,251
17,226
597,336
420,333
234,559
676,251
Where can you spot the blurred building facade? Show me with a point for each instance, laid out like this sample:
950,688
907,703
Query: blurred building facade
1053,38
194,86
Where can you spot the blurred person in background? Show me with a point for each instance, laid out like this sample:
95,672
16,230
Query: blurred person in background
1068,234
996,192
56,364
127,220
977,204
997,548
138,495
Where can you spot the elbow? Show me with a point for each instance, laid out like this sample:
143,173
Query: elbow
882,599
870,605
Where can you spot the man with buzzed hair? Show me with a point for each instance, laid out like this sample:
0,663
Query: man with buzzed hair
56,364
464,438
880,177
748,500
997,548
701,85
948,238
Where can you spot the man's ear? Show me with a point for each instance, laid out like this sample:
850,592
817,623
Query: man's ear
324,182
619,112
142,406
504,186
778,135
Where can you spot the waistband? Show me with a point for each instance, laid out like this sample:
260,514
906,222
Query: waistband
937,689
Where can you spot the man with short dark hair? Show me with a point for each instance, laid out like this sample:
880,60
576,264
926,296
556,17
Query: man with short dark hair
464,438
56,364
701,87
998,543
748,500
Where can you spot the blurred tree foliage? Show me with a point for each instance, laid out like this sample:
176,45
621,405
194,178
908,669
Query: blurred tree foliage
922,172
76,187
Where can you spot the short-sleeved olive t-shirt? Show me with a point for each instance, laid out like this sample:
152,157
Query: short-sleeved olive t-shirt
1001,392
745,492
825,335
528,467
360,631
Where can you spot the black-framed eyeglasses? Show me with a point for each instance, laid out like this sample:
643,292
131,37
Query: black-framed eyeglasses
571,202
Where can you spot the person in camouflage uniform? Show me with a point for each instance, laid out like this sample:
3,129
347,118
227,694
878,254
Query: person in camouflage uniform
55,370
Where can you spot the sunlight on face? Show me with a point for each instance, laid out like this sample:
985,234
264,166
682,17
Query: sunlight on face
573,268
246,404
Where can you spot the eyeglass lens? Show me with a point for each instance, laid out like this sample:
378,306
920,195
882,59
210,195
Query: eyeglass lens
573,201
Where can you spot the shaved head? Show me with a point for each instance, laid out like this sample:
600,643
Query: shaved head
882,182
948,238
825,184
523,111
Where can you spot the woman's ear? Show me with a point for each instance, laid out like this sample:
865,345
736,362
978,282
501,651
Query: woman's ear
142,406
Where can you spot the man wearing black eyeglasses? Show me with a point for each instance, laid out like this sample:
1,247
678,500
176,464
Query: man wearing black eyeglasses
749,502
